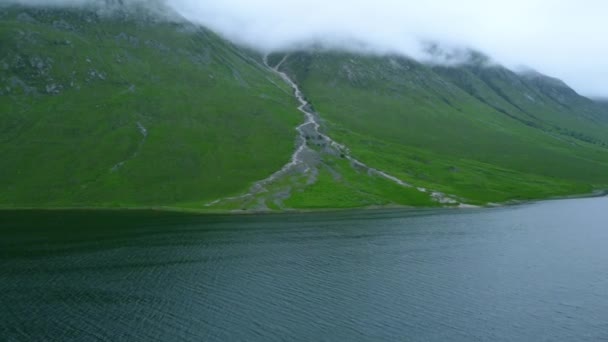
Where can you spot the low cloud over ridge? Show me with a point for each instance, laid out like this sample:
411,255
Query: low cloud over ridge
562,38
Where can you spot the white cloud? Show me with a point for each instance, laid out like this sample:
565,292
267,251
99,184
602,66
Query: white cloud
562,38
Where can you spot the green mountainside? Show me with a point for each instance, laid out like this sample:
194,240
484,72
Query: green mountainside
126,111
483,133
123,108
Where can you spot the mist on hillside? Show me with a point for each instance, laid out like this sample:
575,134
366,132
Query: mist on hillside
562,39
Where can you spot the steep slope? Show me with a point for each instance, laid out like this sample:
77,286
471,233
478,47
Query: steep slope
323,173
465,130
121,106
122,109
535,100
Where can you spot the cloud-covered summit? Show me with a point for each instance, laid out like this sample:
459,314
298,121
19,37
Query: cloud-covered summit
562,38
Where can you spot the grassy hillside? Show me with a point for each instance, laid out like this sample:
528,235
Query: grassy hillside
124,107
120,109
482,133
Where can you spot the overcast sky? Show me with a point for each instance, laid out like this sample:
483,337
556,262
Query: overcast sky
563,38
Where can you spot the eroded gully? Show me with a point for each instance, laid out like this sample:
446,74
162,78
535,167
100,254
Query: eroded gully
304,160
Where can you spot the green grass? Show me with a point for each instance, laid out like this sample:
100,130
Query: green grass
72,99
420,125
216,119
346,187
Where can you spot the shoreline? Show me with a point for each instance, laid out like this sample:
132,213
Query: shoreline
204,212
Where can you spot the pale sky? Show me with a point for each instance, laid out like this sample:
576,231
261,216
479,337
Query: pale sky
563,38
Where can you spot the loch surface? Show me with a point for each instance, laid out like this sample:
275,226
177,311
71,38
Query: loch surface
535,272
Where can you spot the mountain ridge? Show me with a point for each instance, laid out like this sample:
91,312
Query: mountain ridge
469,133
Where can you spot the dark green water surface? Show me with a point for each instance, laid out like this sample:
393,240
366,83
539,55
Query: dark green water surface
536,272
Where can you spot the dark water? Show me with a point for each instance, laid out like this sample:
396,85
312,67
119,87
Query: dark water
531,273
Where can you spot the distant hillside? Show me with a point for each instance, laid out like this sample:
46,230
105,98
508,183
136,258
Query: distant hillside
125,107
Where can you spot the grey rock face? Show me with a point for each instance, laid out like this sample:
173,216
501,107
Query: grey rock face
16,82
53,88
26,18
62,25
134,41
94,74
